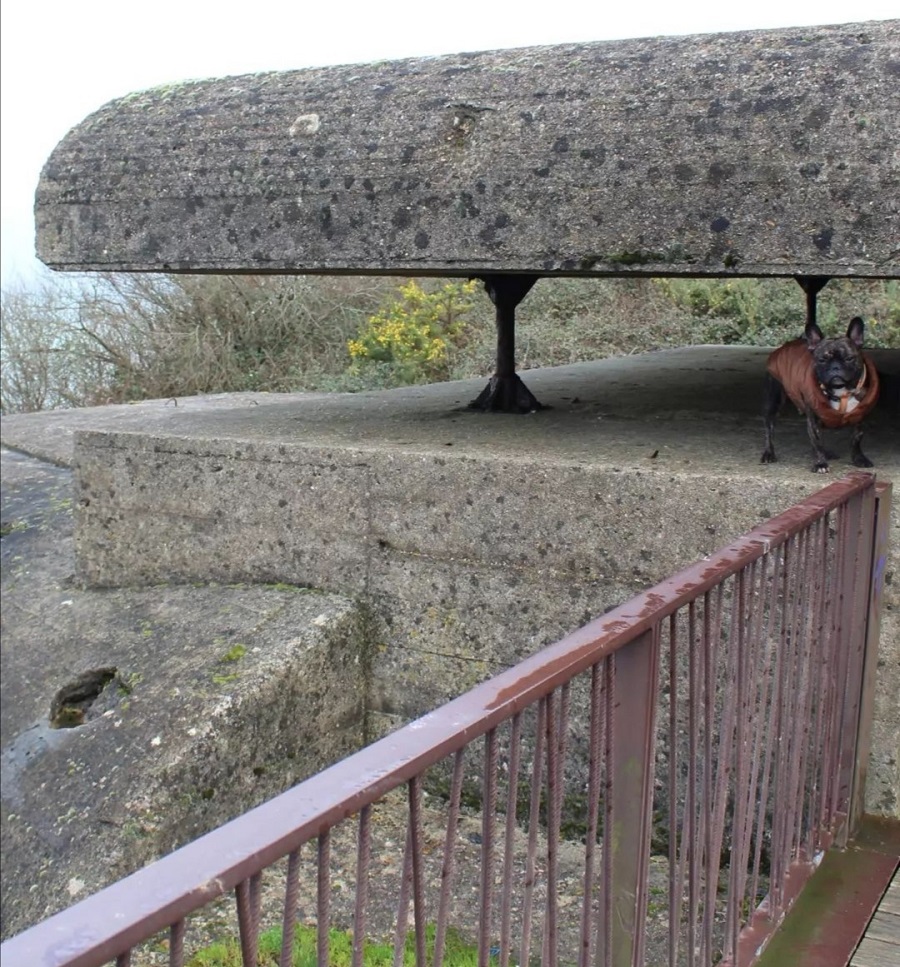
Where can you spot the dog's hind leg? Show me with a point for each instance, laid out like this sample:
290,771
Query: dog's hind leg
857,457
773,399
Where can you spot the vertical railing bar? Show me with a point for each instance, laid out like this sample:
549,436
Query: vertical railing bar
595,755
802,707
694,799
448,866
758,690
711,619
834,656
646,806
792,563
834,651
739,685
757,683
819,668
675,884
401,928
245,932
512,801
758,696
836,614
813,771
555,796
363,852
488,818
828,657
715,789
552,856
418,872
797,684
176,943
289,920
533,825
779,655
751,689
323,896
725,759
782,673
604,919
795,676
768,707
801,692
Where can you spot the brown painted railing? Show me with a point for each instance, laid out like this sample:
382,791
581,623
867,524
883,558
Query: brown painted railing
654,788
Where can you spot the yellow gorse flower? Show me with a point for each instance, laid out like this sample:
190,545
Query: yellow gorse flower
418,332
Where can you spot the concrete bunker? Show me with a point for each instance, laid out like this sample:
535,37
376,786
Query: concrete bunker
766,154
769,153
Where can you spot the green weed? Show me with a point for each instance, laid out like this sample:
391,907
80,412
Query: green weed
457,953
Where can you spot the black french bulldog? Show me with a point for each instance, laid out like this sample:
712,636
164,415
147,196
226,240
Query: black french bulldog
832,381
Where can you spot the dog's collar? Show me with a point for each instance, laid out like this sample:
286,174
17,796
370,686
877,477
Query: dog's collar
847,400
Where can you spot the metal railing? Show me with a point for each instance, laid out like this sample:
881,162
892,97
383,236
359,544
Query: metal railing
653,788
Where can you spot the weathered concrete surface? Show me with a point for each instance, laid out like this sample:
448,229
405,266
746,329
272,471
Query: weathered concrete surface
223,697
756,153
476,538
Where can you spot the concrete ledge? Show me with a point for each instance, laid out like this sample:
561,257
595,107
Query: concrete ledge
476,539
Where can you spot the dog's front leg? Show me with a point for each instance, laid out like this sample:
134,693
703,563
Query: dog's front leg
820,456
857,457
772,400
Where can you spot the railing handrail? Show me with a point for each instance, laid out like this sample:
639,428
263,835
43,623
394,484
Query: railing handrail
94,930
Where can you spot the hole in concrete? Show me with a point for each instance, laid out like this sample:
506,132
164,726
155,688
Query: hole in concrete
71,703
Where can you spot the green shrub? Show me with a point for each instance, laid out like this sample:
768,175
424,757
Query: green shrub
416,335
766,312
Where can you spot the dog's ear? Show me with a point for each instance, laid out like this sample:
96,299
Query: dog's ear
856,330
813,335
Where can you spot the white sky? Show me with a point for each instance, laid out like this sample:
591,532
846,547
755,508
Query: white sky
61,61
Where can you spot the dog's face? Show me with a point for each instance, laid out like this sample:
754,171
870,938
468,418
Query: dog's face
838,362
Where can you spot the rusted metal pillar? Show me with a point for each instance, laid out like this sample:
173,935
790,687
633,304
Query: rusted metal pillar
812,285
506,393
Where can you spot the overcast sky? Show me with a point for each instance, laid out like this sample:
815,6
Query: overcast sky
63,60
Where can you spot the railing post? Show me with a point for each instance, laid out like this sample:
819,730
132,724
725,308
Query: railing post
874,601
854,557
632,763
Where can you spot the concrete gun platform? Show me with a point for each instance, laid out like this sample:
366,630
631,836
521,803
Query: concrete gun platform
442,543
612,411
